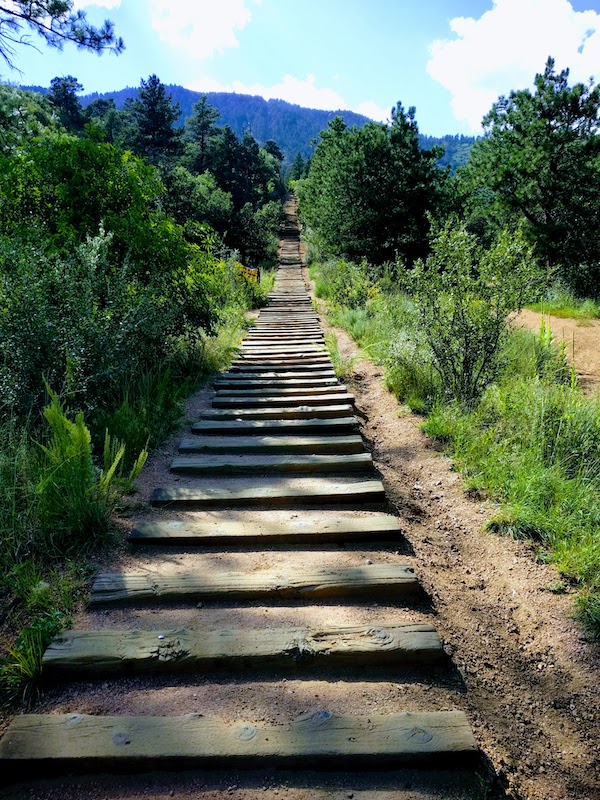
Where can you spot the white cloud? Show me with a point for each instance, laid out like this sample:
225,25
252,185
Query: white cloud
373,111
303,92
199,28
507,46
100,3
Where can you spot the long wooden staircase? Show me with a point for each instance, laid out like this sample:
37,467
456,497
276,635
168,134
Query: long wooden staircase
276,466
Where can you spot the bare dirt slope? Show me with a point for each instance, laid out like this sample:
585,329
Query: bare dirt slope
582,337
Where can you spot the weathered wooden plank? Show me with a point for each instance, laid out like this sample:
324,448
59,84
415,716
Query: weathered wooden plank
282,412
289,445
265,383
97,653
302,368
275,494
78,742
286,358
275,375
271,464
370,580
275,400
291,391
274,336
221,530
279,426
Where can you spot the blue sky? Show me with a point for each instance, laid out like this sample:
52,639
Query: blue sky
449,58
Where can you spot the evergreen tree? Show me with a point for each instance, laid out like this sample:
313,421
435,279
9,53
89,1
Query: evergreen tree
201,130
539,160
153,115
63,97
56,23
369,191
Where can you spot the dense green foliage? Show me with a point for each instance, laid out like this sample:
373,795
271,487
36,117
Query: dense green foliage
523,212
369,191
531,441
117,275
294,128
539,161
465,295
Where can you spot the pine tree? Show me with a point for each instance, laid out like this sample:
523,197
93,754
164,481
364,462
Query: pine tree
56,23
201,130
153,115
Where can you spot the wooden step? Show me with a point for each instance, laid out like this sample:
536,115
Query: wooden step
285,445
271,464
371,580
294,378
279,383
219,529
301,368
279,426
284,358
38,743
282,412
278,494
284,391
274,400
75,653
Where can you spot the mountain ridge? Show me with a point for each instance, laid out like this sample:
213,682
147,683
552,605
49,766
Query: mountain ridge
292,126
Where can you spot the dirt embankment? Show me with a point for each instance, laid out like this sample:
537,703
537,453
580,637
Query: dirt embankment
583,341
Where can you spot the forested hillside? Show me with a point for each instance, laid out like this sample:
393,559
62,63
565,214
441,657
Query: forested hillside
294,128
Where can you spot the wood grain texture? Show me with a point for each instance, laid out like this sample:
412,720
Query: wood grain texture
307,411
276,495
78,653
370,580
40,742
278,426
281,391
245,464
274,400
284,445
219,529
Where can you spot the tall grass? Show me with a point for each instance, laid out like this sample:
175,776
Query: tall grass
531,442
560,302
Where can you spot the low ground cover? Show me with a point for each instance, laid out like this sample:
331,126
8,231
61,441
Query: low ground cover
530,440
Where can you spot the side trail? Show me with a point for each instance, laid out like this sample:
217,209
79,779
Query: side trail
275,473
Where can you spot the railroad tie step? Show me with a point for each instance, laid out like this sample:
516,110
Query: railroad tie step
79,742
242,400
283,445
245,464
392,581
234,427
274,494
283,391
74,653
308,411
219,529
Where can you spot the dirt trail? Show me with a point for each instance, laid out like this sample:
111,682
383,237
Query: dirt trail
582,334
369,688
525,675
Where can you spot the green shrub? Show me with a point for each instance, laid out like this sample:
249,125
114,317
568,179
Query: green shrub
465,296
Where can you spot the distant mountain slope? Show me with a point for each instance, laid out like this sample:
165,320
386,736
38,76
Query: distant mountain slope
293,127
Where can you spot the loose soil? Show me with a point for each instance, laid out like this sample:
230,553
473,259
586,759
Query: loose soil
524,672
583,340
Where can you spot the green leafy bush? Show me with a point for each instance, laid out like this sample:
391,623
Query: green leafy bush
465,296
